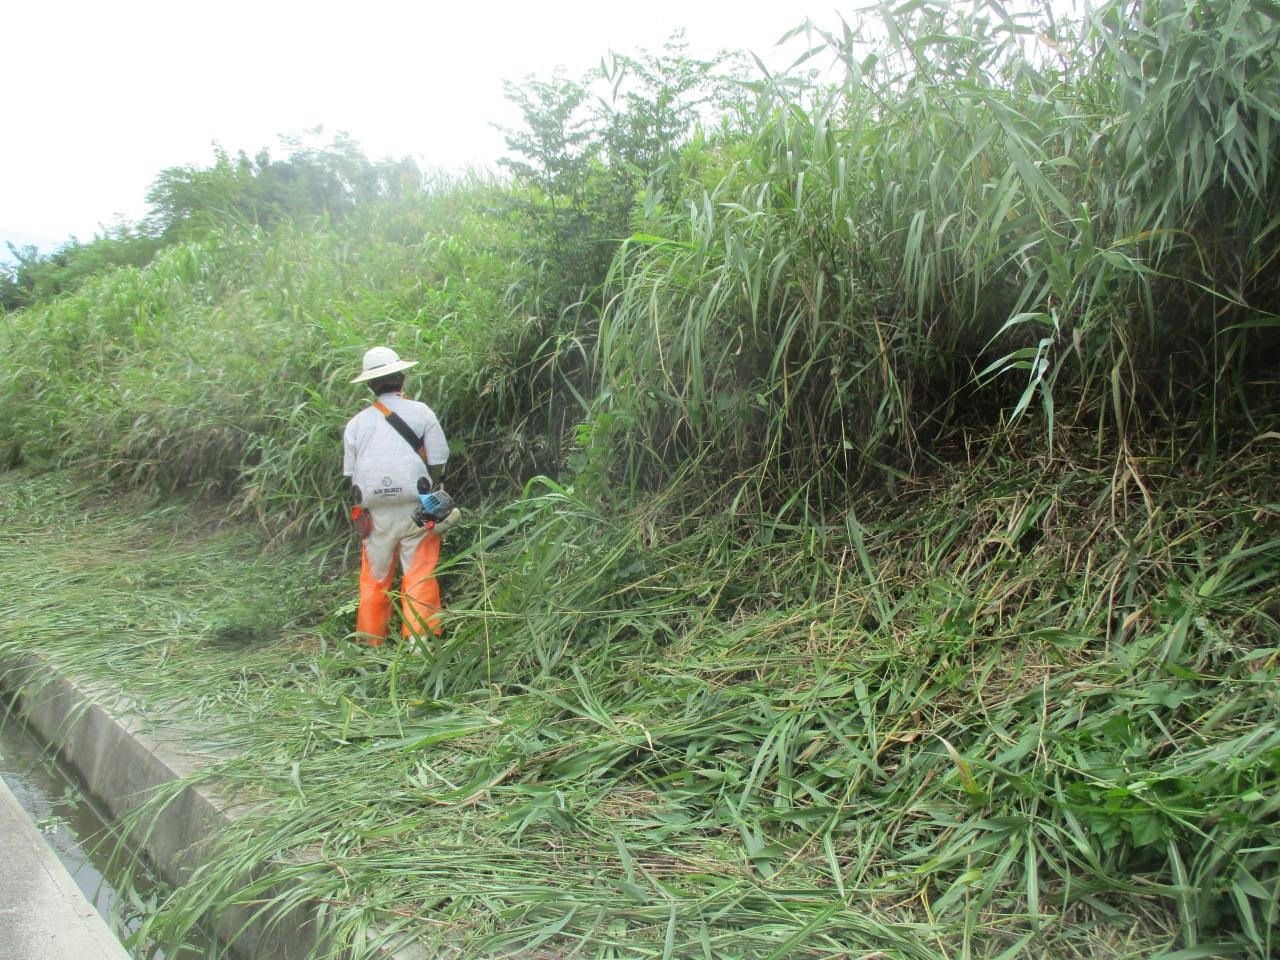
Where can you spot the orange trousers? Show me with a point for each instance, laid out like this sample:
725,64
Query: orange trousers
394,537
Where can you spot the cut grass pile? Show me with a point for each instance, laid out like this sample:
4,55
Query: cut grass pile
1023,709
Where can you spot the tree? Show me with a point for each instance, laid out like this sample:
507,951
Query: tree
588,147
328,180
33,278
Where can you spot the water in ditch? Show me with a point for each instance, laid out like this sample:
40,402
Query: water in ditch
77,832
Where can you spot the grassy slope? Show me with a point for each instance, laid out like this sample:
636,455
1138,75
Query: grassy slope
223,365
1018,707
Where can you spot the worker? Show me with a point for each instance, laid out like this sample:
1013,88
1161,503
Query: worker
387,447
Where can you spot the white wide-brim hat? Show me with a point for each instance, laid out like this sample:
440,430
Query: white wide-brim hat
381,361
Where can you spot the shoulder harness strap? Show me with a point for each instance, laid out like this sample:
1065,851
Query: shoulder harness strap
402,428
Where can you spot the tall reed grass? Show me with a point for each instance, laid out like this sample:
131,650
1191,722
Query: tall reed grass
987,217
223,365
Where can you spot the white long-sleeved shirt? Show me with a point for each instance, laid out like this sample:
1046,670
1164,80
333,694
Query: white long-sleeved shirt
380,461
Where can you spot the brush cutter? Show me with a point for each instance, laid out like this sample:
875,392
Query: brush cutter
437,511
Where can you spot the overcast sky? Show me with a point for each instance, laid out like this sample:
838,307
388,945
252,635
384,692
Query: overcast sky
101,96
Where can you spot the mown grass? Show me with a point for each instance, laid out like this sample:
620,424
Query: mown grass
1032,714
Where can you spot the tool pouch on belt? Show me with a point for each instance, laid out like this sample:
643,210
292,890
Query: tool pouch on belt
361,522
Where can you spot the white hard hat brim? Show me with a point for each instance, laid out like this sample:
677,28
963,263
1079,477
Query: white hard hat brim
385,370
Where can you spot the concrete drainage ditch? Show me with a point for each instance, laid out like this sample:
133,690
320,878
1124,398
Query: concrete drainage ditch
122,765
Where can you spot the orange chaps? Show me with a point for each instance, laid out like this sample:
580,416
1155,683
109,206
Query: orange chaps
393,537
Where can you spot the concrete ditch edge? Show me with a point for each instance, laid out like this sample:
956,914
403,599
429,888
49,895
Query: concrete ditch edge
122,766
43,914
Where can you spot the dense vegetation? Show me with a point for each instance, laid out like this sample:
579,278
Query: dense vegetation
874,542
